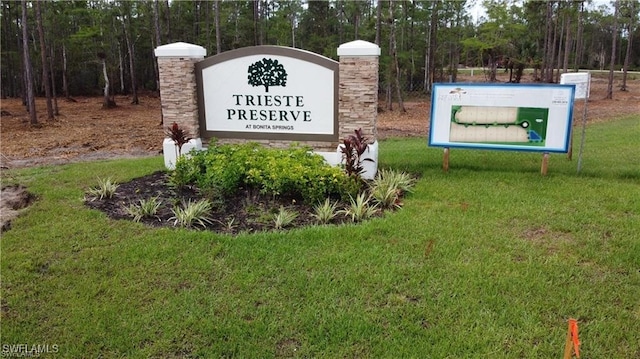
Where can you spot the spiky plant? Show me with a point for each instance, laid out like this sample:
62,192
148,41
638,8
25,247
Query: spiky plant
106,188
284,217
360,208
229,225
386,195
403,181
145,208
326,211
388,186
192,214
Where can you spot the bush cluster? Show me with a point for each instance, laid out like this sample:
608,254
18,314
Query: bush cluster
223,169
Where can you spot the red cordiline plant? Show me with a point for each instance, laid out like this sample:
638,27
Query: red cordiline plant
178,135
353,148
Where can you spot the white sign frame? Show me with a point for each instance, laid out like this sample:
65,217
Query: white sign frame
300,105
582,80
550,108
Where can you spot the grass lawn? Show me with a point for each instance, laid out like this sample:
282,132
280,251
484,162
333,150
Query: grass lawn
489,260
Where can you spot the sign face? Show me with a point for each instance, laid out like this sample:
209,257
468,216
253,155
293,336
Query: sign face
502,117
268,92
582,80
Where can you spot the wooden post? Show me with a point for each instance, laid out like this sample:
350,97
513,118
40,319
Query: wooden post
545,164
445,160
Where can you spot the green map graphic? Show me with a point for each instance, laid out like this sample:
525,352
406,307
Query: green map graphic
501,125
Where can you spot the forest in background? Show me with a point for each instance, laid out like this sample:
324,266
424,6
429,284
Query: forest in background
71,48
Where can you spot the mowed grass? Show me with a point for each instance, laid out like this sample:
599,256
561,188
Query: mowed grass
489,260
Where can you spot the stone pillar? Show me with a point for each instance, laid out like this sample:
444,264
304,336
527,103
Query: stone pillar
358,96
179,101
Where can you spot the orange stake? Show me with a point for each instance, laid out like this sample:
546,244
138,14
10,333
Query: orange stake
572,342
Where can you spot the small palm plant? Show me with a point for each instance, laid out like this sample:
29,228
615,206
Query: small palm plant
192,213
229,225
326,211
389,186
284,217
386,195
146,208
106,188
360,208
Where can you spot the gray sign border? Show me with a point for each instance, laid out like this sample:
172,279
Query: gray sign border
267,50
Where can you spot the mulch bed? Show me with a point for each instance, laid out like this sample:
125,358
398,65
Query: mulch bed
245,212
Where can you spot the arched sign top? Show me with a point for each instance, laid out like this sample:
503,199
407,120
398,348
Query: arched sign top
268,92
269,50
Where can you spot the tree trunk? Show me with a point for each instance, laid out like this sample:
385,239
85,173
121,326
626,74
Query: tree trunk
65,82
630,30
156,32
30,95
293,28
559,61
356,22
394,56
126,25
168,19
397,81
378,21
216,20
256,23
493,66
431,49
548,44
107,102
45,63
20,47
567,46
56,110
341,21
553,52
207,24
196,20
389,76
579,40
613,49
121,70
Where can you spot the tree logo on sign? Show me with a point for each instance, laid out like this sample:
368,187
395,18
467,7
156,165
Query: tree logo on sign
267,73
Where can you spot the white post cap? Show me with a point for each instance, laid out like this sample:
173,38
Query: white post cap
180,49
358,48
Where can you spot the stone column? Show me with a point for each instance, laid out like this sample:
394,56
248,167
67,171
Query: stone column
358,95
178,97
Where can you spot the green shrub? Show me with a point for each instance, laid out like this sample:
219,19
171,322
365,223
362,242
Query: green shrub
295,172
